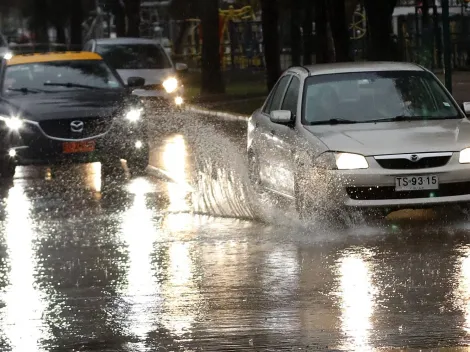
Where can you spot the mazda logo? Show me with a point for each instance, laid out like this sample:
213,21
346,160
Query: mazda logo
414,158
77,126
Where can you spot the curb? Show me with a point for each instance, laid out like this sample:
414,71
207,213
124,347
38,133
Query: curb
226,116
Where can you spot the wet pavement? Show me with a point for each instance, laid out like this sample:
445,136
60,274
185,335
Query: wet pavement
189,259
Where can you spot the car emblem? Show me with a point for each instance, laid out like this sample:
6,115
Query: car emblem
414,158
77,126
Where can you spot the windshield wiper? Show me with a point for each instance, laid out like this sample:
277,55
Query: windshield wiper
25,90
334,121
414,118
70,85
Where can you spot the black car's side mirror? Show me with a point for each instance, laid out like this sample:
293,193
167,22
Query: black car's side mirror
135,82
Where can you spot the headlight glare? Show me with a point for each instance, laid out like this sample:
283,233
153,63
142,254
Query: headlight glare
464,157
14,123
348,161
170,84
134,115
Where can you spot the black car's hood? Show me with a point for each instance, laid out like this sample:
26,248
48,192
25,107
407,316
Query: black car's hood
70,104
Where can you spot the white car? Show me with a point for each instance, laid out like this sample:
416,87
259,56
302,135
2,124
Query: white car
146,59
350,136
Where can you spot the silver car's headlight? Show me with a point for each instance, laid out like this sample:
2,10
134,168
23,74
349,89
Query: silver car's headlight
342,161
14,123
170,84
464,157
134,115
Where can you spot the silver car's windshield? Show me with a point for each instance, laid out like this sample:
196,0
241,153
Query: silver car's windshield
375,97
134,56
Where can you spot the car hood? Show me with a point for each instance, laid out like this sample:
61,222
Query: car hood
150,76
395,137
60,105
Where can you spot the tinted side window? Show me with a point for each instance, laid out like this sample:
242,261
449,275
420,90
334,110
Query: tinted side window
88,46
275,102
292,96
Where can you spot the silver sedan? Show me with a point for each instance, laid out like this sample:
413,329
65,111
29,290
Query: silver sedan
361,136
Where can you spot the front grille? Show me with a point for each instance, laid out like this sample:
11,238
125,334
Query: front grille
153,87
388,192
405,164
61,128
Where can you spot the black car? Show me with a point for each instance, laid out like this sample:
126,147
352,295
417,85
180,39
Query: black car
68,107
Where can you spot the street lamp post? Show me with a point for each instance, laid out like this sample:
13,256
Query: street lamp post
446,42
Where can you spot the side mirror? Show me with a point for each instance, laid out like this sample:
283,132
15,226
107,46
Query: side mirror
181,67
466,108
134,82
282,117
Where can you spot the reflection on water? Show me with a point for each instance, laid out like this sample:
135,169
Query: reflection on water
356,293
175,162
139,233
463,285
181,296
24,304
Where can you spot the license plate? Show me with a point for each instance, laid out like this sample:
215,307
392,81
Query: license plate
416,183
78,147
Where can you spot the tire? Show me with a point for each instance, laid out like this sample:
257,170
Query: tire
253,170
137,164
111,169
7,169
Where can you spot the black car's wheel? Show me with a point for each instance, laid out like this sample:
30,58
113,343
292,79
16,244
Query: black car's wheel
7,169
137,164
111,168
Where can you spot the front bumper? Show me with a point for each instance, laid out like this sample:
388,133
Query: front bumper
32,146
375,186
161,98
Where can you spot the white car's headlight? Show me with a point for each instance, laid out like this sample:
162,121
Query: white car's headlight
464,157
342,161
14,123
348,161
134,115
170,84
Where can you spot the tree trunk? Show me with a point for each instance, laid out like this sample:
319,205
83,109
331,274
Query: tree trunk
119,13
321,32
295,33
272,50
307,29
76,20
132,8
39,21
379,20
60,30
211,79
340,30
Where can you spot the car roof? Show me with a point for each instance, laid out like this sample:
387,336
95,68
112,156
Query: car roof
124,41
351,67
52,56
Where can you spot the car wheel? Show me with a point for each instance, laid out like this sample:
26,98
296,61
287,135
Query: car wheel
253,170
7,169
137,164
111,168
303,203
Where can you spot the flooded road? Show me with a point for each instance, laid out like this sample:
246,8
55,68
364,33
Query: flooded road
184,260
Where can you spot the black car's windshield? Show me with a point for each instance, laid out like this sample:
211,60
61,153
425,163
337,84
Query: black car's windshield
134,56
58,76
376,97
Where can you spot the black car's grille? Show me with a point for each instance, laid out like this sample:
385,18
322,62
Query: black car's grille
92,126
379,193
405,164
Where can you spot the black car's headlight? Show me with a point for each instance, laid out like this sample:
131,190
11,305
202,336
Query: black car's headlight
13,123
134,115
